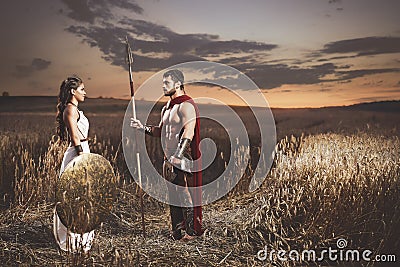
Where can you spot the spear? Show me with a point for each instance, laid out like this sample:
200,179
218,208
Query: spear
130,63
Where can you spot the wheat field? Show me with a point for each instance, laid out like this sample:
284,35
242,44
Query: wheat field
324,185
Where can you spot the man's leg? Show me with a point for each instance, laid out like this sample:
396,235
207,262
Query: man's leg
189,211
176,221
185,198
176,212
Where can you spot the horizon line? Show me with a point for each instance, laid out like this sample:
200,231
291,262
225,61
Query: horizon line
234,105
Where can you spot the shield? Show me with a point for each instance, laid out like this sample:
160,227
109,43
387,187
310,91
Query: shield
85,192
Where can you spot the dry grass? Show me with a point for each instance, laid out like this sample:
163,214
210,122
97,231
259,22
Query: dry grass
322,187
333,186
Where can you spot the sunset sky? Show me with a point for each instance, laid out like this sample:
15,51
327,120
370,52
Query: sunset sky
300,53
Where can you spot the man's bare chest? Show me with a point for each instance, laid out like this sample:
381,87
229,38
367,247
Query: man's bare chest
171,117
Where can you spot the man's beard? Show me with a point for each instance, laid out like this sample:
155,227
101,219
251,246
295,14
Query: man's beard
170,93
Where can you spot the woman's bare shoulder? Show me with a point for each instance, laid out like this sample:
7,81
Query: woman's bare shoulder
70,111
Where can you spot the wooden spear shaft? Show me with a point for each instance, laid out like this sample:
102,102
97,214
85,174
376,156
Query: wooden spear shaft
130,62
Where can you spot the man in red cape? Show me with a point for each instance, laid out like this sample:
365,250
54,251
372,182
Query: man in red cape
180,129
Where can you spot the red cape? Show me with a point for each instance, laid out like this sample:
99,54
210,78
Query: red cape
195,147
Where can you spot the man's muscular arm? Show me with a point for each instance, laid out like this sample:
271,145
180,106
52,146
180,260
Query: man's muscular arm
149,129
188,120
188,114
156,130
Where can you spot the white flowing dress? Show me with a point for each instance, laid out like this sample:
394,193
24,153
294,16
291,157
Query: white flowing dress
67,240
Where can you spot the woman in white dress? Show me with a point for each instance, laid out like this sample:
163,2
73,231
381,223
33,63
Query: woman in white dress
73,126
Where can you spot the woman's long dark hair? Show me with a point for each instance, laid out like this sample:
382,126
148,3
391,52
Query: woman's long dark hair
64,97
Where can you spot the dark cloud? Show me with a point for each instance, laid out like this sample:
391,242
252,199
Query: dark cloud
36,65
369,99
345,66
351,74
345,81
153,38
80,10
156,46
396,90
271,76
317,54
268,76
110,42
342,57
233,46
337,2
40,64
250,59
89,10
323,90
373,83
364,46
163,38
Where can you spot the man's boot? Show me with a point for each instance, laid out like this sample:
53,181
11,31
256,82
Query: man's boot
189,221
177,222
